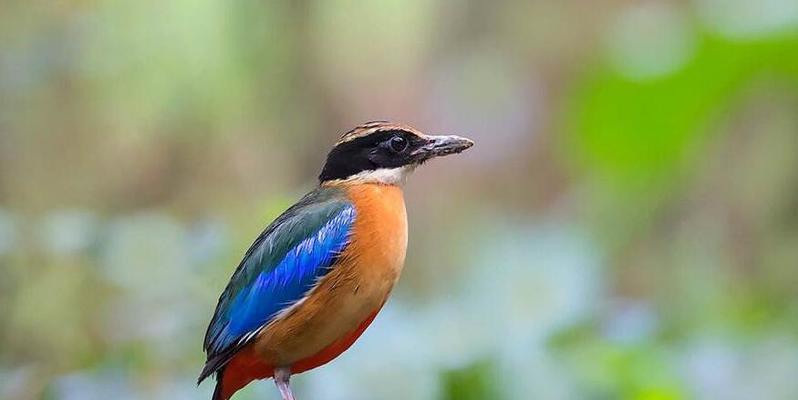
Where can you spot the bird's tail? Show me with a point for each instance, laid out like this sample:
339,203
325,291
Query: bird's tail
227,384
217,392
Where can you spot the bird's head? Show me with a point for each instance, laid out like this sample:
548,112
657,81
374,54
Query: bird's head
382,152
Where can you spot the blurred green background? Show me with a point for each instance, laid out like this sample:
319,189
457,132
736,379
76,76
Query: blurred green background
625,228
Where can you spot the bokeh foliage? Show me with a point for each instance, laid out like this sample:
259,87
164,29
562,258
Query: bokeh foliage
626,227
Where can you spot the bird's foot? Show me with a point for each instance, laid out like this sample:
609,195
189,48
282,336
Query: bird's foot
282,376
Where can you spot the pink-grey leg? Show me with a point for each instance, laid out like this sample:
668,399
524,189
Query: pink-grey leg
282,376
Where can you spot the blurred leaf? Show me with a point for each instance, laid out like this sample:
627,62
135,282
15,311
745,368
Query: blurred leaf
634,131
474,382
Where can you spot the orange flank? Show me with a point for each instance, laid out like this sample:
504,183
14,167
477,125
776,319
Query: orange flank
246,366
334,350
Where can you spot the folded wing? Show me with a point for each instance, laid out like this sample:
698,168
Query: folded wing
279,269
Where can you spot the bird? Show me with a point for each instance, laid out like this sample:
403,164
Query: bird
316,277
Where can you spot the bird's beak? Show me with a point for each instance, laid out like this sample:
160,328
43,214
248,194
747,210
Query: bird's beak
439,146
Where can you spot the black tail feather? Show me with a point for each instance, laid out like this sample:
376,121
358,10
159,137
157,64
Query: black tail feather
217,392
216,363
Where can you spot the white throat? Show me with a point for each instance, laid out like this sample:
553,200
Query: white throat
386,176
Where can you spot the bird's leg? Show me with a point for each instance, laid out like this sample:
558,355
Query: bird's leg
282,376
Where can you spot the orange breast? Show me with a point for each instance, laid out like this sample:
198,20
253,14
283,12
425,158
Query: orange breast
332,316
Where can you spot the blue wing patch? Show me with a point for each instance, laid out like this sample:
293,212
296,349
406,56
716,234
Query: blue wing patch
275,289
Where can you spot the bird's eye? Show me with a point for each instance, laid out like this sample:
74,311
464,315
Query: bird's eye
398,144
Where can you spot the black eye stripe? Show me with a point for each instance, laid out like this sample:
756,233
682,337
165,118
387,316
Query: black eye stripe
370,152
